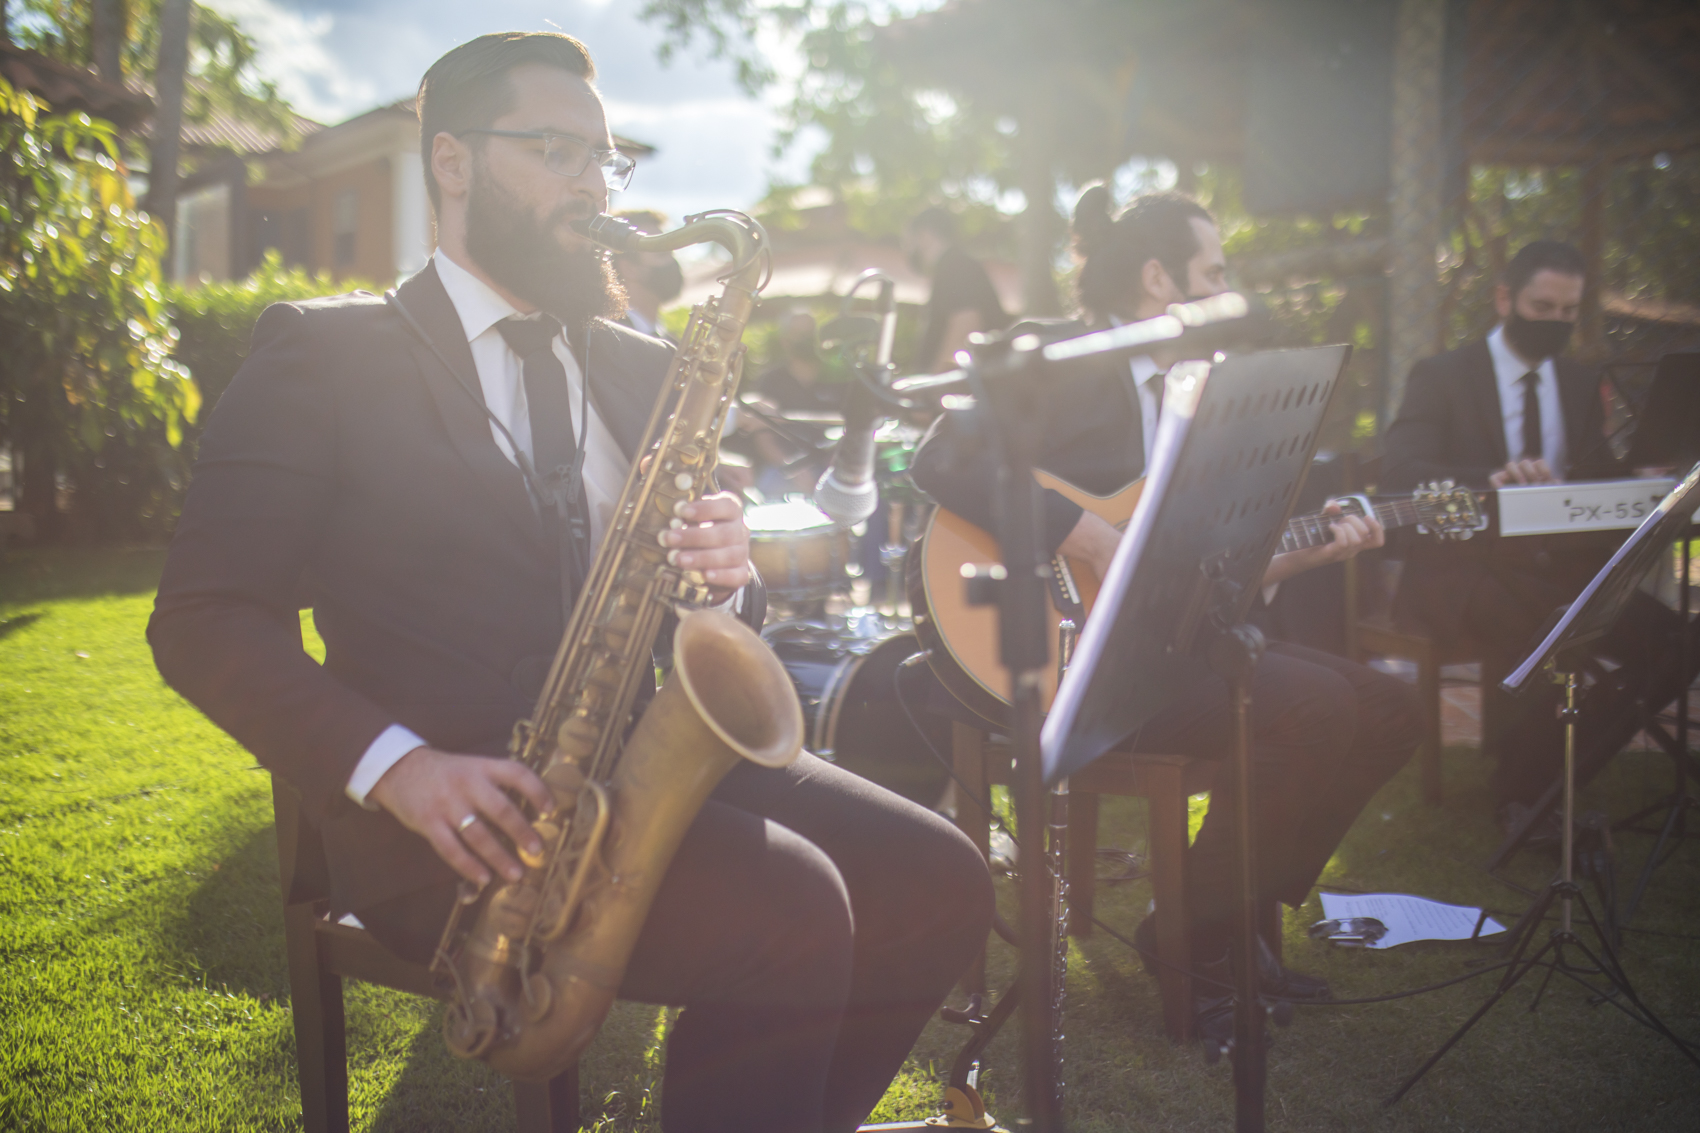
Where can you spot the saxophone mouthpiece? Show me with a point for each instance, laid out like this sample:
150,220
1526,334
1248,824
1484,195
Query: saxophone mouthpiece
608,231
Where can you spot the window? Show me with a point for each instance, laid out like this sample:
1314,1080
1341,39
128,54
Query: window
345,220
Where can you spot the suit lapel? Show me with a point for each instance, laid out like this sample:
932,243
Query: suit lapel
623,404
461,406
1485,409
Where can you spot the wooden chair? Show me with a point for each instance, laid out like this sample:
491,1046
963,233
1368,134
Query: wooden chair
322,953
1165,782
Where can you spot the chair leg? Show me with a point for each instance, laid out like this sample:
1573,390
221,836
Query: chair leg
1167,806
321,1043
1082,860
548,1107
968,754
1428,754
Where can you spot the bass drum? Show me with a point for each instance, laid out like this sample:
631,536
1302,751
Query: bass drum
848,684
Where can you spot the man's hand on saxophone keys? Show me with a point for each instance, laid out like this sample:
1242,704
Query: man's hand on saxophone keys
714,541
458,802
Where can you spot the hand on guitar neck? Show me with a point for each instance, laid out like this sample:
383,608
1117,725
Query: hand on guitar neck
1094,541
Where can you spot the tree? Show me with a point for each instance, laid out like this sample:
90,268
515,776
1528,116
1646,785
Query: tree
980,100
89,395
170,71
197,61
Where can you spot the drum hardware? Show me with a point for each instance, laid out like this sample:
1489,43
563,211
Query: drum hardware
845,670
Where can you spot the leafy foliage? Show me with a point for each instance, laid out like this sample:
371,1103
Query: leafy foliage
216,320
87,383
222,74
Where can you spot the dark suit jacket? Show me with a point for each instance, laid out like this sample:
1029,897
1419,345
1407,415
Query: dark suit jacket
1093,437
345,468
1451,427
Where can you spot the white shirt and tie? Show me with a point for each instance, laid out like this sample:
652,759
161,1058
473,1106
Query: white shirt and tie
1508,372
501,378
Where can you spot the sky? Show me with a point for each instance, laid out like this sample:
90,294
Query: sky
333,59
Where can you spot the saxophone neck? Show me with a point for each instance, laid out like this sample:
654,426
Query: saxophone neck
741,235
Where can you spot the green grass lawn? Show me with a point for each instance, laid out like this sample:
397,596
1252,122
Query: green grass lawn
143,986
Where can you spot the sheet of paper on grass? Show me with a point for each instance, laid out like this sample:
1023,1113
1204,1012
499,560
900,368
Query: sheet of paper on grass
1408,918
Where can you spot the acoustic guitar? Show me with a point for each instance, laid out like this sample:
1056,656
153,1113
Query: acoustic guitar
963,639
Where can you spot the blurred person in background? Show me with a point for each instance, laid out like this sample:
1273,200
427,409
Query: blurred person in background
962,300
651,279
794,386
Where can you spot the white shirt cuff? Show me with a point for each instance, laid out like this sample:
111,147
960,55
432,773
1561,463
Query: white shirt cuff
392,743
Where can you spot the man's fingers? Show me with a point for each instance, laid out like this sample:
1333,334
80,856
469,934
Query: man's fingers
501,813
722,507
729,578
449,847
516,776
482,842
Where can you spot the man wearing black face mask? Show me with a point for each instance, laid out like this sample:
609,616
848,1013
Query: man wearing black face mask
1504,411
651,279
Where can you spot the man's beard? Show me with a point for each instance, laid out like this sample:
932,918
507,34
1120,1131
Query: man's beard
523,253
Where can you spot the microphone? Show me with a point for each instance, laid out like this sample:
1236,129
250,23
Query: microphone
847,492
1196,325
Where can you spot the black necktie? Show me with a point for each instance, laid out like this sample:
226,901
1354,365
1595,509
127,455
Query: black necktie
554,452
1532,445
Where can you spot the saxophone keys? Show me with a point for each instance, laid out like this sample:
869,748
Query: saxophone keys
539,997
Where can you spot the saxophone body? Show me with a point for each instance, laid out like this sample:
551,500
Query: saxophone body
532,966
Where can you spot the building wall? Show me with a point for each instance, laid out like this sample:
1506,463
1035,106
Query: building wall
347,220
204,232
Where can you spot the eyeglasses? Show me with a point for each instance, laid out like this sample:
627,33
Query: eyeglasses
571,156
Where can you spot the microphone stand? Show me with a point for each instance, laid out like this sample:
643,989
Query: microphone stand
1009,403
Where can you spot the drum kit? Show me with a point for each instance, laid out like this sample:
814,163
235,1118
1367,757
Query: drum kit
842,630
845,658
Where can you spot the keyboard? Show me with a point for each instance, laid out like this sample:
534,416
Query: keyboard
1586,505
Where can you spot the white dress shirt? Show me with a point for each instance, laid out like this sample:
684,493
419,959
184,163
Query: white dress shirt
1508,371
501,376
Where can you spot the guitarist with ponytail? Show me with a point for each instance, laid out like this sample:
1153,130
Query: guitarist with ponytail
1327,733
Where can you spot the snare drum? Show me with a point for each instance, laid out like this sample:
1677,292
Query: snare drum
851,713
802,555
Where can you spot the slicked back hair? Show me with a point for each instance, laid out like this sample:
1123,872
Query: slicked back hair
1543,255
469,88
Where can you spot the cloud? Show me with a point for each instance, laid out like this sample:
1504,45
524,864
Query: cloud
337,58
294,52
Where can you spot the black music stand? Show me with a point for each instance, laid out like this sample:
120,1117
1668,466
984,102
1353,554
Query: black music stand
1563,651
1009,381
1233,446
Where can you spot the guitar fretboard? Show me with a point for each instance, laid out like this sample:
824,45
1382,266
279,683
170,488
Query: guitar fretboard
1314,530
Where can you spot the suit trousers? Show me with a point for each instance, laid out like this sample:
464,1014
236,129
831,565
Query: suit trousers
809,925
1326,734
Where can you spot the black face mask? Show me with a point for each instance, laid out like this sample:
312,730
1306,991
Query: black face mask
666,281
522,252
1537,339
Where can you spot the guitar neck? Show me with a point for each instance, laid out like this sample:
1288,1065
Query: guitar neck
1314,530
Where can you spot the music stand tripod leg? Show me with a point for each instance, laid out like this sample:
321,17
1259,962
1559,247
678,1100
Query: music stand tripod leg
1566,892
1233,656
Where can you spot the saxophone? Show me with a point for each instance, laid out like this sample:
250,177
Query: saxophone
532,966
